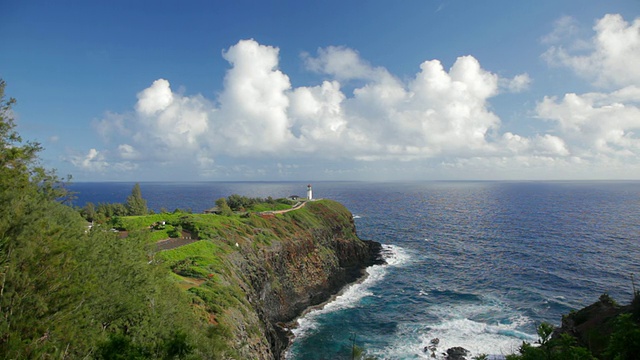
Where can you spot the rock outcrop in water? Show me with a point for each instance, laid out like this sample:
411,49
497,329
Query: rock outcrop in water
272,269
457,353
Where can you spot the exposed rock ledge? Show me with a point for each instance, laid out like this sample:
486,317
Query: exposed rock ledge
309,255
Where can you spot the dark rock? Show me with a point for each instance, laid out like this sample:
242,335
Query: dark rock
457,353
303,269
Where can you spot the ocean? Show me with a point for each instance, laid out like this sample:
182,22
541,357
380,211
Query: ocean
473,264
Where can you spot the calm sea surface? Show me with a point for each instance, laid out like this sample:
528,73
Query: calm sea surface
474,264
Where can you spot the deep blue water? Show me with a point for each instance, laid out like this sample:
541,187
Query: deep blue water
474,264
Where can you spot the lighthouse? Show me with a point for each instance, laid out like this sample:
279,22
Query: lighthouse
309,192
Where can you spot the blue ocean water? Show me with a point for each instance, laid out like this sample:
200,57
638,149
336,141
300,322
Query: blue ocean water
474,264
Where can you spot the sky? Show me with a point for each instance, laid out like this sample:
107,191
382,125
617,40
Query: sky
327,90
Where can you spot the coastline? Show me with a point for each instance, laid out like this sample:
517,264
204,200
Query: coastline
287,329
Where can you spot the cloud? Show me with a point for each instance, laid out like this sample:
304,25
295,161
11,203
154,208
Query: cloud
155,98
550,145
565,28
439,118
258,113
519,83
599,129
128,152
170,121
96,161
253,106
164,126
610,58
539,145
598,124
93,161
437,111
112,125
342,63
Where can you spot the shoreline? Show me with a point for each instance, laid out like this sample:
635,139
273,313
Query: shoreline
287,328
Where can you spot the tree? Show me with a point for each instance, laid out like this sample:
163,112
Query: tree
70,294
236,202
625,339
36,233
136,205
224,208
17,160
89,212
560,348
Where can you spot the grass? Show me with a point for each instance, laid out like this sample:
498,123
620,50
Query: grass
270,207
198,259
157,235
200,269
303,217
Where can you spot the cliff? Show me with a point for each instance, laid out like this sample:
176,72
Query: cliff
249,275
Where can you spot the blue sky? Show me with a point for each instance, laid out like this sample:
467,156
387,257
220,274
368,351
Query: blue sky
327,90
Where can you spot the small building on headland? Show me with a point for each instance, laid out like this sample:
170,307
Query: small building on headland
309,192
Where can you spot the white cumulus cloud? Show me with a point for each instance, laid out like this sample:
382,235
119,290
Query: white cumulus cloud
519,83
343,63
439,115
253,106
94,160
598,124
155,98
609,58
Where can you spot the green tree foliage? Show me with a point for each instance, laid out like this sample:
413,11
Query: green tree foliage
242,203
136,205
622,344
89,212
69,293
224,208
103,212
625,339
551,348
237,202
176,232
17,159
35,233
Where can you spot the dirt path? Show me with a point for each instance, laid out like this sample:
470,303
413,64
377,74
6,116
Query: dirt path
172,243
297,206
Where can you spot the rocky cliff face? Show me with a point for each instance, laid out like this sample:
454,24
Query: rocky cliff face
284,265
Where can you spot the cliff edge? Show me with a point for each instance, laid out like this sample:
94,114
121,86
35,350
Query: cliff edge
249,275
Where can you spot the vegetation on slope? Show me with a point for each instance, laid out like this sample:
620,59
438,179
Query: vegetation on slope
66,292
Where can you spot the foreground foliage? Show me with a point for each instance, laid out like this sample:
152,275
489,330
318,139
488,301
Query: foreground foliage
615,339
66,292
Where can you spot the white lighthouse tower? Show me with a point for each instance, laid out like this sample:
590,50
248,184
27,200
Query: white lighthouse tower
309,192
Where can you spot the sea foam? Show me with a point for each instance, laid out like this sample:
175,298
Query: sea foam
351,295
459,326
